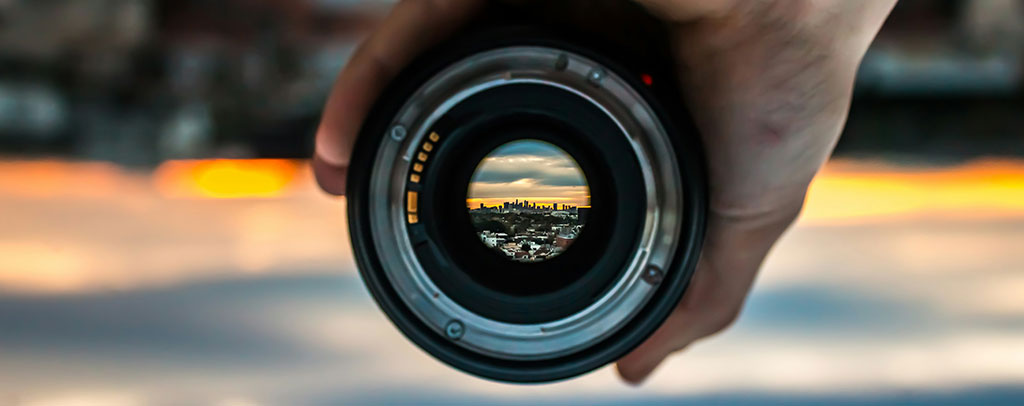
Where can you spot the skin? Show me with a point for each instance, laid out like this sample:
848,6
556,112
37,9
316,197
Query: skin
769,82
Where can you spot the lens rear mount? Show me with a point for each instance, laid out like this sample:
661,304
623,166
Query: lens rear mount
469,307
487,283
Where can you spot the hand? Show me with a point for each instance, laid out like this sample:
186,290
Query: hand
769,82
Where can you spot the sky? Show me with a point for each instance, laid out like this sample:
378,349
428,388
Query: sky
528,170
233,283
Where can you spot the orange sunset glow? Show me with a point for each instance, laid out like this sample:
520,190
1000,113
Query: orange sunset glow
224,178
853,191
846,192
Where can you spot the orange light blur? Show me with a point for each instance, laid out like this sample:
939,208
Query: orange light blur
852,191
51,210
48,179
226,178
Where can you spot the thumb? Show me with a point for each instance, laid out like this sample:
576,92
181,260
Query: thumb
411,27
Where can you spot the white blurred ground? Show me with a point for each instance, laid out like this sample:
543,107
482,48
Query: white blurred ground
121,287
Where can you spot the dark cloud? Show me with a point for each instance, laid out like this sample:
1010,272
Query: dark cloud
528,147
540,177
543,163
507,175
564,180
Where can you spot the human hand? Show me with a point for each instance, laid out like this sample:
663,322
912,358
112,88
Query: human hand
769,84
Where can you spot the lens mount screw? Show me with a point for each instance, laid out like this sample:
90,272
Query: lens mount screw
653,275
595,76
454,330
398,132
562,62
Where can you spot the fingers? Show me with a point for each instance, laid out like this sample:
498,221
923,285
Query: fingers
411,27
733,252
681,328
673,335
330,178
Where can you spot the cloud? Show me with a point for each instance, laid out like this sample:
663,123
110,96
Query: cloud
532,162
533,176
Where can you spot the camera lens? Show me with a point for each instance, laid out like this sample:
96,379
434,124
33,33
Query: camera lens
528,200
523,208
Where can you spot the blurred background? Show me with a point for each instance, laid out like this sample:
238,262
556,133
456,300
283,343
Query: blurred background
162,240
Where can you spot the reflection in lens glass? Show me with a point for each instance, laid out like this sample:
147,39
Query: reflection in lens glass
529,200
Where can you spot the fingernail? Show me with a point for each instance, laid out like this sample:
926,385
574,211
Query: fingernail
330,178
632,373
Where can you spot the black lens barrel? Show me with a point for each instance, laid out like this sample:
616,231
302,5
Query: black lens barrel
442,237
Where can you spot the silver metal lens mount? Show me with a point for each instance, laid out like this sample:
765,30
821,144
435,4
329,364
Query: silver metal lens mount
390,212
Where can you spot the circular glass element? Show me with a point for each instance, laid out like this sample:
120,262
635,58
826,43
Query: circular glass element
529,200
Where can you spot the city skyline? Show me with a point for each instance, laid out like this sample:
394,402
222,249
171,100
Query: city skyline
525,204
499,202
528,231
524,200
528,170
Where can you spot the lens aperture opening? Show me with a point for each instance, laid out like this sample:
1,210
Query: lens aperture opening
529,200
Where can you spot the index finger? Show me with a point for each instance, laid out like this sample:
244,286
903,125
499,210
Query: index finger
411,27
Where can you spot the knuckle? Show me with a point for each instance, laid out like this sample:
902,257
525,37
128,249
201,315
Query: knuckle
724,318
